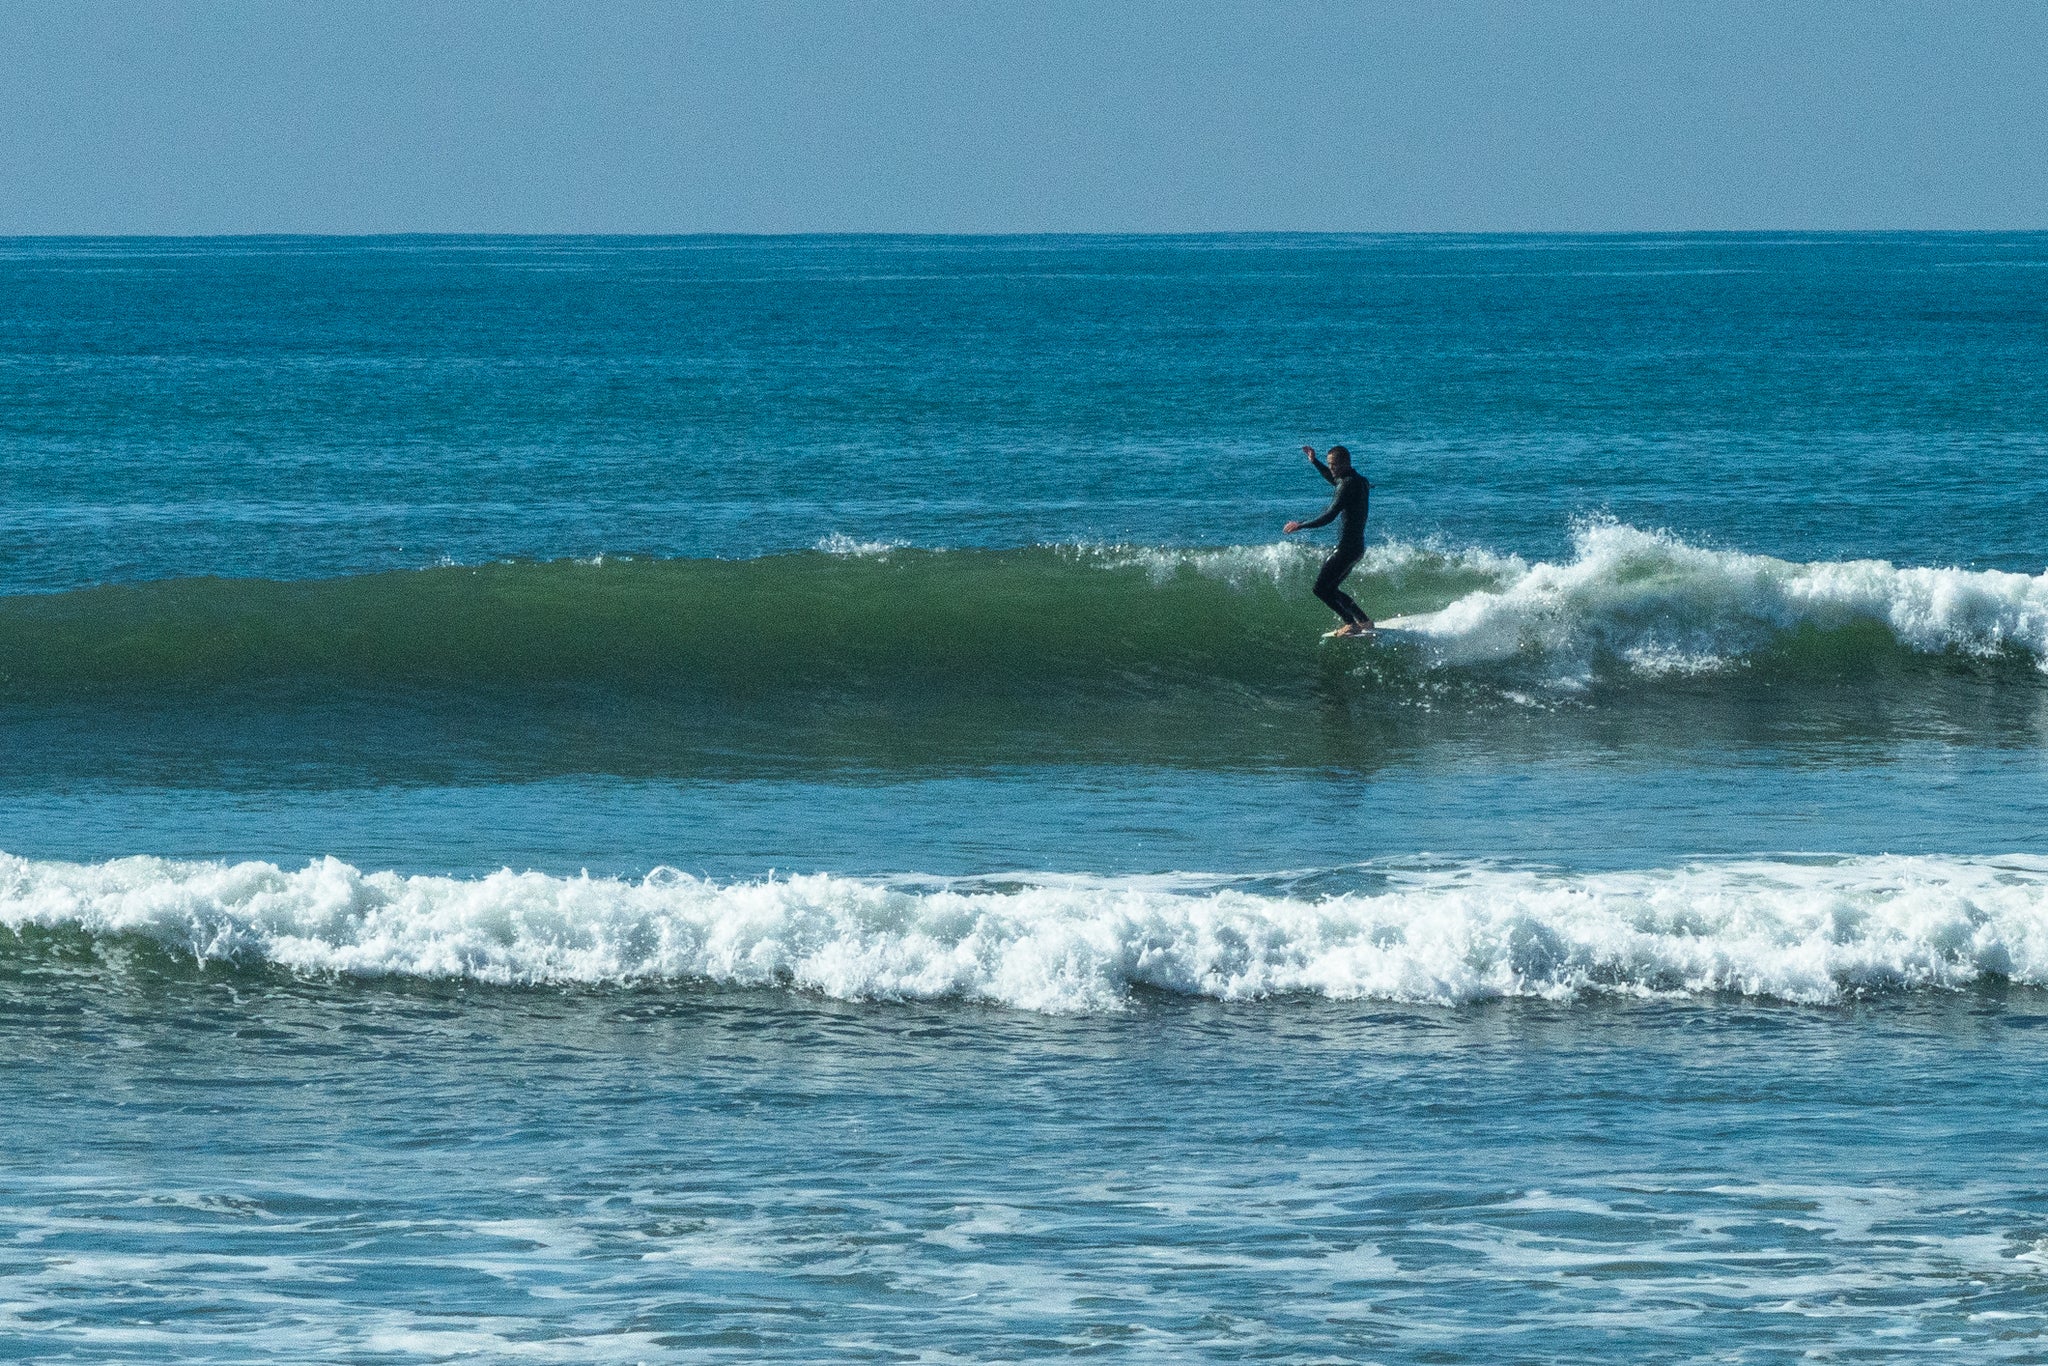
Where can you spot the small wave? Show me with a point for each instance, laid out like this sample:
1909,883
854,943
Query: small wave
1810,931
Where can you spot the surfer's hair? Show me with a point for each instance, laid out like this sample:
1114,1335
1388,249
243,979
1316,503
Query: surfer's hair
1344,451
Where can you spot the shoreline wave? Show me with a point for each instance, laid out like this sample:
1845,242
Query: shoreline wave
1809,931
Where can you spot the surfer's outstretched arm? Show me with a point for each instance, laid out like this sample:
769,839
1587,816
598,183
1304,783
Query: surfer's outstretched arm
1321,468
1329,515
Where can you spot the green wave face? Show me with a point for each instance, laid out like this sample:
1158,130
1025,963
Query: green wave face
908,621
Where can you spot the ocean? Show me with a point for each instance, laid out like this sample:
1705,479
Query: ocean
782,799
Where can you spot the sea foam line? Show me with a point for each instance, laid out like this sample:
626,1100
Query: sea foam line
1804,931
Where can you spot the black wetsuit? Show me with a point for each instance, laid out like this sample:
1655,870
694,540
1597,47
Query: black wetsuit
1352,503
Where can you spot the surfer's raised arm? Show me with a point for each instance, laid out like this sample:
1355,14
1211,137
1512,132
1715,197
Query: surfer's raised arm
1321,468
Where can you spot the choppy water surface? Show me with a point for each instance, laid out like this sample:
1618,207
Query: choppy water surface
253,1165
744,800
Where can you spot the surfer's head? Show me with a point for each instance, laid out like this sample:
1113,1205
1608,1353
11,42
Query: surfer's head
1340,459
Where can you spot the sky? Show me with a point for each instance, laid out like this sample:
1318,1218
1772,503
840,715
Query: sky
360,116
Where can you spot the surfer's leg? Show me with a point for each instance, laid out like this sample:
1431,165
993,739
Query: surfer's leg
1336,599
1358,616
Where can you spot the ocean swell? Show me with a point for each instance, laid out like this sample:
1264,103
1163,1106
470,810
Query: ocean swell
1811,931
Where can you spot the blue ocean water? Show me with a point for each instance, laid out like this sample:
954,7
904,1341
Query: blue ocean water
782,799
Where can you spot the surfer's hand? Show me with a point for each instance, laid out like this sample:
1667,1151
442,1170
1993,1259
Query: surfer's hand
1290,528
1310,452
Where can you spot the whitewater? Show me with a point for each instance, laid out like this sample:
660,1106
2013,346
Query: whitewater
1814,931
1660,604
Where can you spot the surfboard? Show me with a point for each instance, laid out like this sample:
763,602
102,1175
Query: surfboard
1392,631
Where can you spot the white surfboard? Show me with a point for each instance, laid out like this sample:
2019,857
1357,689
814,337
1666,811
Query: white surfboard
1392,631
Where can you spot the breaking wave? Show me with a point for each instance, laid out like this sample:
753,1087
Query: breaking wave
1814,931
853,619
1661,605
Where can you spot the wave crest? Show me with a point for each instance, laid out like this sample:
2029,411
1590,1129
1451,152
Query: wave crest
1664,606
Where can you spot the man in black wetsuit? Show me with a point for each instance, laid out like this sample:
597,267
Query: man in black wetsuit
1352,503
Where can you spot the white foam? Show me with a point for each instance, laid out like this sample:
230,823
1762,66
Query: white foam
839,543
1795,930
1663,606
1279,562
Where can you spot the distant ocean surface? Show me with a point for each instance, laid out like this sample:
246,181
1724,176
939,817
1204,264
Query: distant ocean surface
783,800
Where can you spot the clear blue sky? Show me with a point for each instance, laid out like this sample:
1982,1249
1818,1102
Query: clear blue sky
631,116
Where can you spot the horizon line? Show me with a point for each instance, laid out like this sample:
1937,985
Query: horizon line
862,233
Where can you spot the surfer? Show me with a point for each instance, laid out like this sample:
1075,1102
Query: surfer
1352,503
